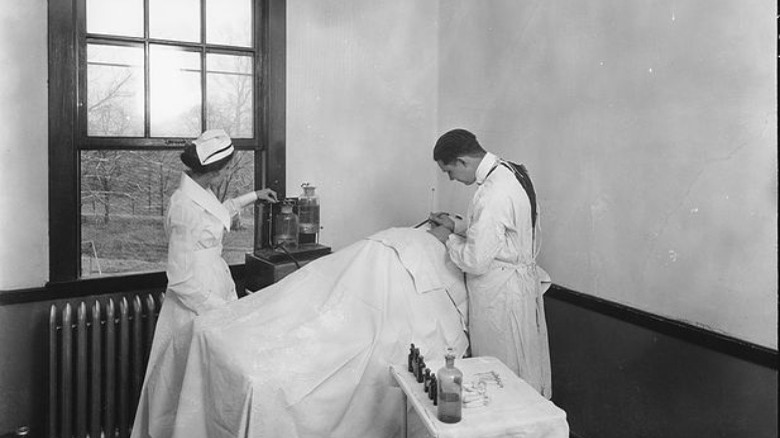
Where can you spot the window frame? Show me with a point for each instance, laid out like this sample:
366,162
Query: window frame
67,44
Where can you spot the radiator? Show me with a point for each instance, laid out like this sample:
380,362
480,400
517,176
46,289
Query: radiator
98,350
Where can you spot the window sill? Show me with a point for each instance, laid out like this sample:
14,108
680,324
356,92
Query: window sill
94,286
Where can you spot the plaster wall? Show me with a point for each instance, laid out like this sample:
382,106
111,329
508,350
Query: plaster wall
361,111
361,80
24,226
650,129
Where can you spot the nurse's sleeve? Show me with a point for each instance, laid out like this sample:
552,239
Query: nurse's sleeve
234,205
484,237
183,229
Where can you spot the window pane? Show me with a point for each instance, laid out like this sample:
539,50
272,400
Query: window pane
124,197
177,20
115,91
116,17
230,94
239,179
175,92
229,22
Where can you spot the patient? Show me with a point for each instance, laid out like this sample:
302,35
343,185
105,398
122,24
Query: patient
309,355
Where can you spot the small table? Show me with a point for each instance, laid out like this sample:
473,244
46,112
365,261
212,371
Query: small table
515,409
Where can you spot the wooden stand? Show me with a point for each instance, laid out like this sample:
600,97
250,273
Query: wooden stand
266,266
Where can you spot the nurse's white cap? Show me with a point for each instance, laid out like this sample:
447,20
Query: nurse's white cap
212,146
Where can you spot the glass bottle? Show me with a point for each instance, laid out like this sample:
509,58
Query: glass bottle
308,215
286,227
410,358
450,390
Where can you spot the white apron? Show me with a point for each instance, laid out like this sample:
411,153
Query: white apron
199,280
507,321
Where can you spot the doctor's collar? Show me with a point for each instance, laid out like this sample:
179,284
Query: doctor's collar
488,163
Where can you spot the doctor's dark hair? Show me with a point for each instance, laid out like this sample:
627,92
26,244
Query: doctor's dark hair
456,143
190,159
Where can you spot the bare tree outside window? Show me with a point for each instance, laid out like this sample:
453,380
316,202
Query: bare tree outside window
230,99
124,199
115,104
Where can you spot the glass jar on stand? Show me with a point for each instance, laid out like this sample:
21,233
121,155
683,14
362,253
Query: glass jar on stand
286,227
308,215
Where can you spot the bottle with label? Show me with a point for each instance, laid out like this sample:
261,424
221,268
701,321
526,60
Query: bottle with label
449,380
308,215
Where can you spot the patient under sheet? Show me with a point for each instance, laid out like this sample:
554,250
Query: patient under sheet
309,355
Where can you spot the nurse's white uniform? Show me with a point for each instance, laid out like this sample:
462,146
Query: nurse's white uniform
198,280
495,245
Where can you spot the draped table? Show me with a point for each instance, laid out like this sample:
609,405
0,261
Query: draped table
515,410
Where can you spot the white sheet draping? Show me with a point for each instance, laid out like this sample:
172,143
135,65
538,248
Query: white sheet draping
309,355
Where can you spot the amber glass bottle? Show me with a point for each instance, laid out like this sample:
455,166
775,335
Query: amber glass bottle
450,390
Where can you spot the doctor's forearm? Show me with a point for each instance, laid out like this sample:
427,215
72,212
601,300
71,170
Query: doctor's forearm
465,256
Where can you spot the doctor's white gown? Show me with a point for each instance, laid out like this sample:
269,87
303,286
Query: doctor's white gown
496,247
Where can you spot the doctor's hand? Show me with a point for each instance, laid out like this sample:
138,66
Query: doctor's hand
267,195
441,232
442,219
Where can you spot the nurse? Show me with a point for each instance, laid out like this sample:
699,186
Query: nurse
496,246
198,277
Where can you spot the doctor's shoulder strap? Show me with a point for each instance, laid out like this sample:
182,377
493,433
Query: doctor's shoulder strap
521,173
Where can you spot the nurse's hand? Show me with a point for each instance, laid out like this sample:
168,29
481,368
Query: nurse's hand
442,219
441,232
267,195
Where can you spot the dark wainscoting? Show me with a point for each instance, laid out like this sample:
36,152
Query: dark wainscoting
24,361
623,373
24,319
617,372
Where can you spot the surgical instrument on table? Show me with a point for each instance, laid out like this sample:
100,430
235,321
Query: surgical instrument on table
422,223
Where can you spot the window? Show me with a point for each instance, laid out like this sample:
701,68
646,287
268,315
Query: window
131,82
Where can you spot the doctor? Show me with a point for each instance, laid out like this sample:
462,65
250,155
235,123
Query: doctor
496,246
198,277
